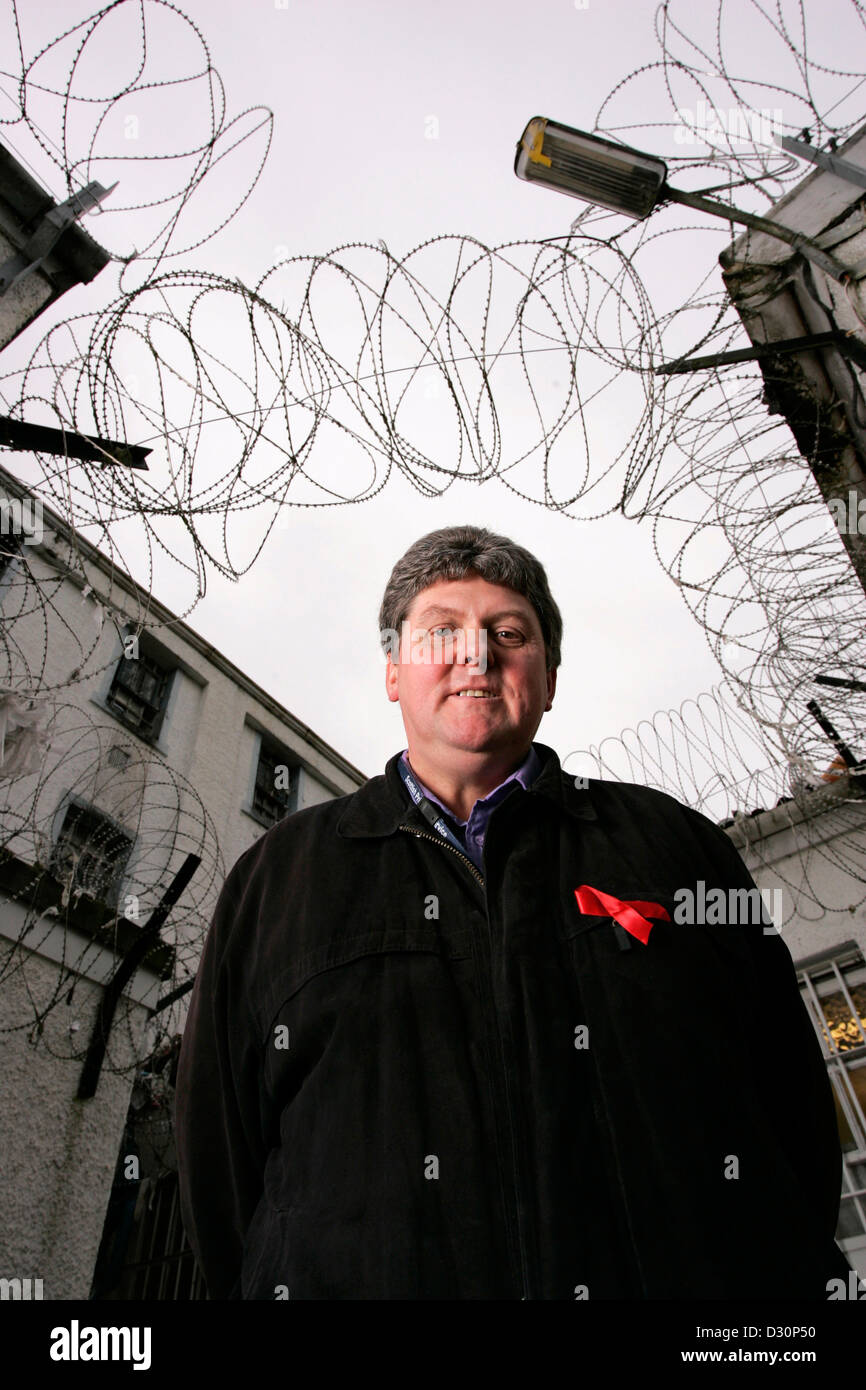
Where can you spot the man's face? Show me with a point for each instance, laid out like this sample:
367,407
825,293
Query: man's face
442,724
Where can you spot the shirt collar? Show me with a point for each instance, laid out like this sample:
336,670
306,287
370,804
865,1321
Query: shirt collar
380,805
525,775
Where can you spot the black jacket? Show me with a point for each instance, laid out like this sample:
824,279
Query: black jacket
399,1080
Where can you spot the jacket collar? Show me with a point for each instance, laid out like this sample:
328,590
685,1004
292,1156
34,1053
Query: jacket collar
381,805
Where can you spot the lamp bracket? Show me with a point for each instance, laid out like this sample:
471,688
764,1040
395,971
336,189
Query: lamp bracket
843,168
48,232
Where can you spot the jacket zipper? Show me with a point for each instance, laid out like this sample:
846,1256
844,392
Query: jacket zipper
524,1273
439,840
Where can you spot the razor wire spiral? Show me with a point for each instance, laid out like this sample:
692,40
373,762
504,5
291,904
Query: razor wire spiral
532,363
80,762
72,126
68,119
710,753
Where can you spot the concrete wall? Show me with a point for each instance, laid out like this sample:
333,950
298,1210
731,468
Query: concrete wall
22,301
811,857
815,860
59,1153
189,790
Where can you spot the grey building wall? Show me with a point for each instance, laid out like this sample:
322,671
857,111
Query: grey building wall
809,859
188,789
59,1153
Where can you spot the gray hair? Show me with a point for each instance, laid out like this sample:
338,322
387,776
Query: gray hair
455,552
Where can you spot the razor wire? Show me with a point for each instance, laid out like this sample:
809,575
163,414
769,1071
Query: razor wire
533,363
61,871
760,782
128,96
161,138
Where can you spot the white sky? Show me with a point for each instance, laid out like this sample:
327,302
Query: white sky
353,86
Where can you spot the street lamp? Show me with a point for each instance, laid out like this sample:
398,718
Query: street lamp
625,180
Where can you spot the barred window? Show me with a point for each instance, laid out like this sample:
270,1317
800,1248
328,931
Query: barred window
139,693
91,853
275,793
834,990
145,1253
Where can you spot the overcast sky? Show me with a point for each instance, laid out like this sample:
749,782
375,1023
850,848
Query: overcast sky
398,122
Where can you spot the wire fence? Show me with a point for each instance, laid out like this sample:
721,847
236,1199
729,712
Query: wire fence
532,363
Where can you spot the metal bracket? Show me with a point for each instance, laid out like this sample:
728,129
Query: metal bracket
145,942
849,759
843,168
173,995
836,338
43,439
49,231
841,682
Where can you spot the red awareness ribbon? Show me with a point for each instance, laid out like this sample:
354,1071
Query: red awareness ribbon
632,915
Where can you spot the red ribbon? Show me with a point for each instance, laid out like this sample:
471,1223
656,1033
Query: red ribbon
632,915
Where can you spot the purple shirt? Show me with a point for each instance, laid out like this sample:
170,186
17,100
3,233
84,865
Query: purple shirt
471,832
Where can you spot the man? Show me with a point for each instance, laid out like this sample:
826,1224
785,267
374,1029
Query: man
449,1038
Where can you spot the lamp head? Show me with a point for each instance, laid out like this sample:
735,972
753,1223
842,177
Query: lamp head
587,167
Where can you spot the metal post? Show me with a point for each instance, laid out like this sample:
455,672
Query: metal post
124,973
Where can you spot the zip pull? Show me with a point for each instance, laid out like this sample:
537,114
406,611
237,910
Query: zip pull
424,835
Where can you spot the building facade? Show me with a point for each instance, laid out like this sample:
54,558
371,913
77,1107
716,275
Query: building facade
808,857
131,752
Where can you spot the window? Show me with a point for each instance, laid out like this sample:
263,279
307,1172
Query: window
835,995
144,1252
91,853
275,793
139,693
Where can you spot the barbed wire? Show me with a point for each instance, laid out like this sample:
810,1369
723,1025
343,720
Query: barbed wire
734,76
533,363
159,135
111,869
711,754
85,809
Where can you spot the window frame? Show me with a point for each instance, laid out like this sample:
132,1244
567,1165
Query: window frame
268,746
836,972
153,656
109,889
